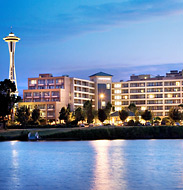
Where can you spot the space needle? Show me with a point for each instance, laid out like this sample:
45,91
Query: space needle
11,40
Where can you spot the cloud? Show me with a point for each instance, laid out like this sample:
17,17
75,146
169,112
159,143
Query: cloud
99,17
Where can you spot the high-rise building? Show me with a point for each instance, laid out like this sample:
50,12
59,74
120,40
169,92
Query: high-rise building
11,40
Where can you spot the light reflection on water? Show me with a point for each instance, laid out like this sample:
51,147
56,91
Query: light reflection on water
92,165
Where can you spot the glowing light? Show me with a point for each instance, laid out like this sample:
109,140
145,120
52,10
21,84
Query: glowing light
177,83
126,97
151,96
101,96
143,108
169,95
117,85
104,78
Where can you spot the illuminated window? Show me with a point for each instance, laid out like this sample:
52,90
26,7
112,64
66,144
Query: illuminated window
125,97
151,96
117,97
177,83
108,86
117,85
117,108
103,104
117,91
32,82
143,108
117,103
169,95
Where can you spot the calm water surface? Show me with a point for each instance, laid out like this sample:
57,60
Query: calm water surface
92,165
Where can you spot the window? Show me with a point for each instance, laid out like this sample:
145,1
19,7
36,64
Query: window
117,97
137,84
117,85
33,82
28,94
117,91
154,84
55,93
59,81
103,104
137,90
125,85
117,108
41,81
117,103
46,94
125,91
50,81
37,94
32,87
155,90
50,106
108,86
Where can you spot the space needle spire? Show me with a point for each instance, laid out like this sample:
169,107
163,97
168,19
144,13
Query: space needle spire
11,40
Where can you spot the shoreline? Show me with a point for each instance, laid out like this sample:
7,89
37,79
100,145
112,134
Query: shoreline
96,133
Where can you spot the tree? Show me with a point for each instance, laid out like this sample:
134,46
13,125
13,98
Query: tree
157,120
123,114
79,115
108,108
146,115
7,99
65,113
102,115
62,114
23,115
35,114
175,114
88,111
132,107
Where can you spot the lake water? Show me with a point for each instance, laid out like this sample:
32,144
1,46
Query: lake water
92,165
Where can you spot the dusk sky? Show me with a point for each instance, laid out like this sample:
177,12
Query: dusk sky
80,38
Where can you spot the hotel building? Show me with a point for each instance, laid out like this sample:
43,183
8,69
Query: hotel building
157,94
50,93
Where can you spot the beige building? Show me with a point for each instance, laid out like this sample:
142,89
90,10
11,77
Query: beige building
157,94
50,94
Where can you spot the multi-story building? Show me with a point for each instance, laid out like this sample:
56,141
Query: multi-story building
50,94
158,94
103,83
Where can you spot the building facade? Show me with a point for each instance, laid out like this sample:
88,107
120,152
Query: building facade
50,94
157,94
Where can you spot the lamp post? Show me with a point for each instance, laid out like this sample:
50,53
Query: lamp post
101,97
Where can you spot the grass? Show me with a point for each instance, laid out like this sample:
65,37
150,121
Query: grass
95,133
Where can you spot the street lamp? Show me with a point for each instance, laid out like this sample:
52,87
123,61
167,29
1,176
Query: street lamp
101,97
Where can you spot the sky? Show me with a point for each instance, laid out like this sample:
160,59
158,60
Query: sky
82,37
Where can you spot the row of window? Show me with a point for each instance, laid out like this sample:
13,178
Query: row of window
140,102
42,100
119,91
143,84
46,81
83,89
46,87
149,96
83,83
39,94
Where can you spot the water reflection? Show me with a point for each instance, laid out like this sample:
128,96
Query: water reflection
15,165
109,166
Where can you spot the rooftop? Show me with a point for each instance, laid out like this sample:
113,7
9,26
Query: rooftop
101,74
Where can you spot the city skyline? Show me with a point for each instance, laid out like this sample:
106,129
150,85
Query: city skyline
81,38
